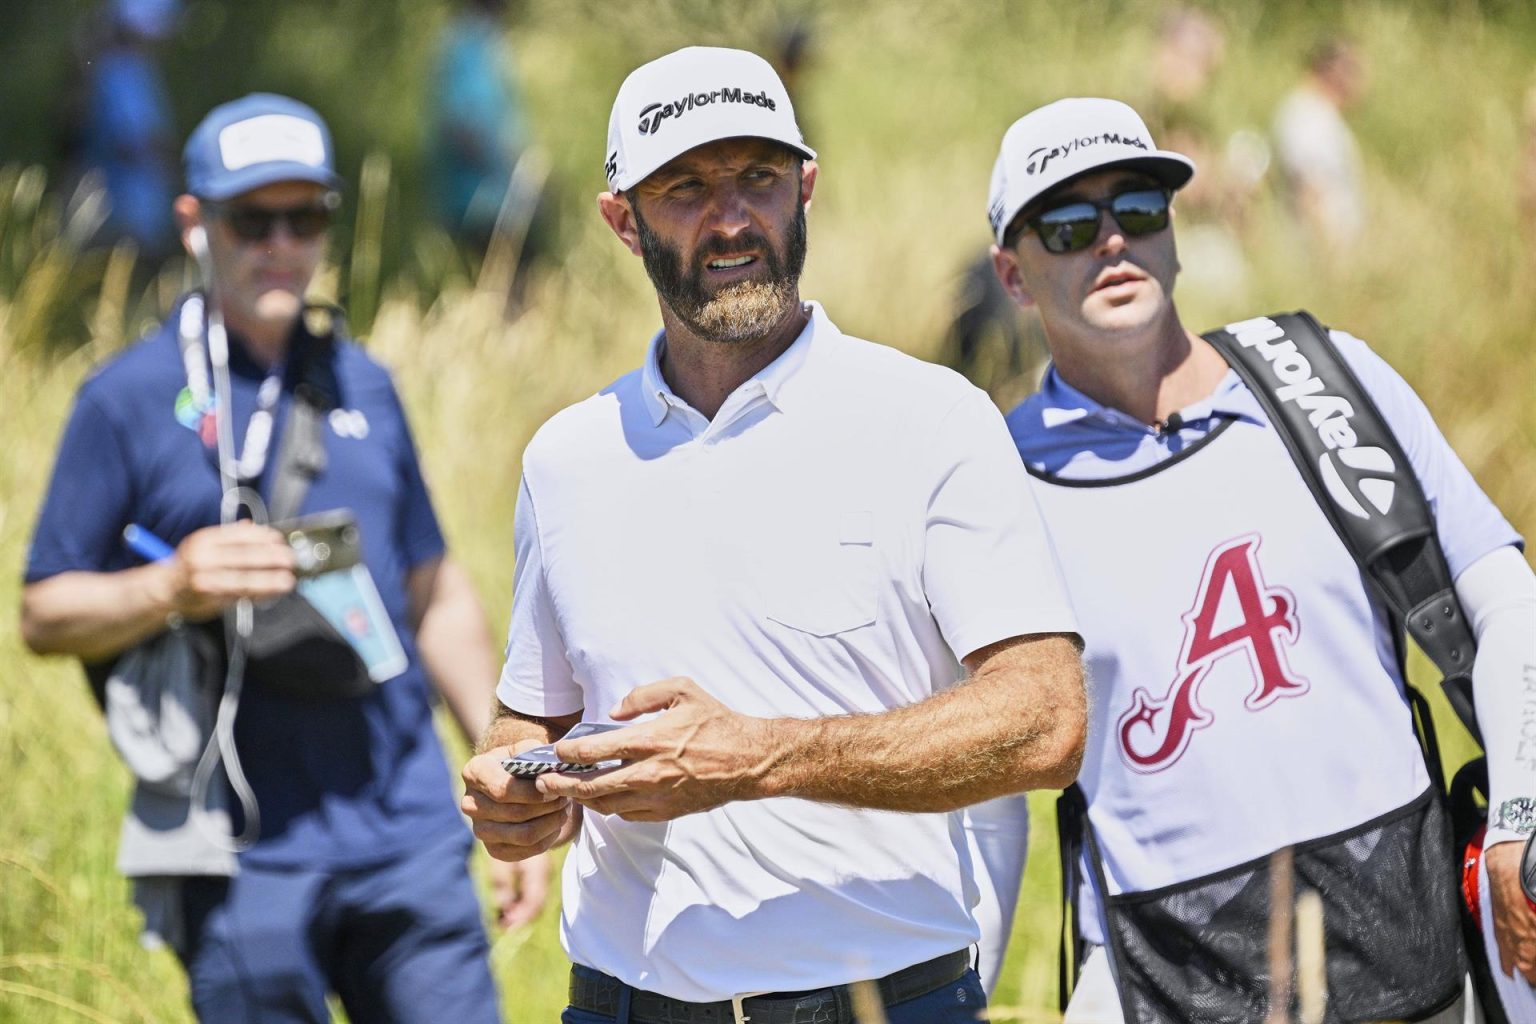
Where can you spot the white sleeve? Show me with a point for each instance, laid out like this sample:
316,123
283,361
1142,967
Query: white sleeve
1468,523
1498,593
989,571
537,678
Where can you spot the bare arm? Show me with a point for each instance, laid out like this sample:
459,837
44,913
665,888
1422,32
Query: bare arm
96,615
1018,723
454,642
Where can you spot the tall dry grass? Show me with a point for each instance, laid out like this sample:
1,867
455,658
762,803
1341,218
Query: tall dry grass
906,107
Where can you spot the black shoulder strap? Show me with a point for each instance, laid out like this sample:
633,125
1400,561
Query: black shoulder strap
1071,825
1362,480
301,456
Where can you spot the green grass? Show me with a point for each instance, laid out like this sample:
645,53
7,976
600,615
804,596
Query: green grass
906,105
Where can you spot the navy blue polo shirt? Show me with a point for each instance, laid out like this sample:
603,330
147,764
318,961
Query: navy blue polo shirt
340,783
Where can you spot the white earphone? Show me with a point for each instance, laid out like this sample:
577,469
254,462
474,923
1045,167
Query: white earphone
197,240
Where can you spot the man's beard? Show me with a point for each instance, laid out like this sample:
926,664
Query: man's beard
744,311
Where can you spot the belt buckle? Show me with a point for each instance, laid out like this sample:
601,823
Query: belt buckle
737,1015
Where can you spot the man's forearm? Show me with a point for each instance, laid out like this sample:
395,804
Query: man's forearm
1017,724
456,647
509,728
96,615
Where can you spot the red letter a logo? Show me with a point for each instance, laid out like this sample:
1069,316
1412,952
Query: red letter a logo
1155,731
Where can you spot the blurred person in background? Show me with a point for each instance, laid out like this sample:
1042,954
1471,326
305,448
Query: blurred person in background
356,882
1186,535
487,181
1526,181
988,339
794,57
126,135
1191,48
1316,150
768,552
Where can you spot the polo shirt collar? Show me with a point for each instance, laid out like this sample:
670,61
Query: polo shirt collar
1062,404
770,380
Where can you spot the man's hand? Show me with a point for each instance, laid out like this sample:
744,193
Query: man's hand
217,565
696,756
519,889
510,815
1514,923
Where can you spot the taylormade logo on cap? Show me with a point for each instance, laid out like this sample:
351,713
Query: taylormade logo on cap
695,96
1062,140
1041,156
652,116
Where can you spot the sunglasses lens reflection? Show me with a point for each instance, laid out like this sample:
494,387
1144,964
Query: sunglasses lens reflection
1141,213
1068,228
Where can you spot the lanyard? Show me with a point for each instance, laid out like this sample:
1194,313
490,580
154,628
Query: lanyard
200,318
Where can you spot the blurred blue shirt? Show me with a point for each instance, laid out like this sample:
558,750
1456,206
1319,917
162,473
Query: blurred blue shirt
478,129
128,133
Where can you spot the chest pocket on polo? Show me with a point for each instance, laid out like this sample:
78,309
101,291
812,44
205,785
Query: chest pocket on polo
820,574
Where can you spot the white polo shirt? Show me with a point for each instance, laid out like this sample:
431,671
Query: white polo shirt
850,524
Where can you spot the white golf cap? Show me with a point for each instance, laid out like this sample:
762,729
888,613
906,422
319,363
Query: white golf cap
1061,140
692,96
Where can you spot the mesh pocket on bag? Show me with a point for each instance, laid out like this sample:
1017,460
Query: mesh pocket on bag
1198,951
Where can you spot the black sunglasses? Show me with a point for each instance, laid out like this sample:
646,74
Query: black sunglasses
1073,226
256,223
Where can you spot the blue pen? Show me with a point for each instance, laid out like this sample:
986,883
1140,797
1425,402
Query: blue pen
145,544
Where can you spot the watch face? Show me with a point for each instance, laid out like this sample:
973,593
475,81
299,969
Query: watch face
1517,815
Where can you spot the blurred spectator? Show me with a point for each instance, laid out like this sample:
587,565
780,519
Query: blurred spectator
127,137
989,340
794,52
485,184
1316,150
1190,50
1527,181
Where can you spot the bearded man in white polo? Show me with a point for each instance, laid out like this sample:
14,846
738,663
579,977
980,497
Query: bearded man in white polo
767,553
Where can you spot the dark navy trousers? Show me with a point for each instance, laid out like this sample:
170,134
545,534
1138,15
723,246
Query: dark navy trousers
402,941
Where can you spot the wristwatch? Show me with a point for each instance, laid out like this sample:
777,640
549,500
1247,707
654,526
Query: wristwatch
1517,814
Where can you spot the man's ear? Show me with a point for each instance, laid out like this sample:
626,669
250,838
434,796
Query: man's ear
188,211
620,218
808,171
1005,264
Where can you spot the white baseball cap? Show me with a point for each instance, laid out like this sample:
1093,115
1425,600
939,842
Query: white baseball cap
692,96
1062,140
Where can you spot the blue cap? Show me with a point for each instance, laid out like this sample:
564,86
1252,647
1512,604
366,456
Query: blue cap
254,141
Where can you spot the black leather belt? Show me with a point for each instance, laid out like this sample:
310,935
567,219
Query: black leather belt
599,993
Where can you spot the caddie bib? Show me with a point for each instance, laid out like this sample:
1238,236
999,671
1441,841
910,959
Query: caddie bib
1244,697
